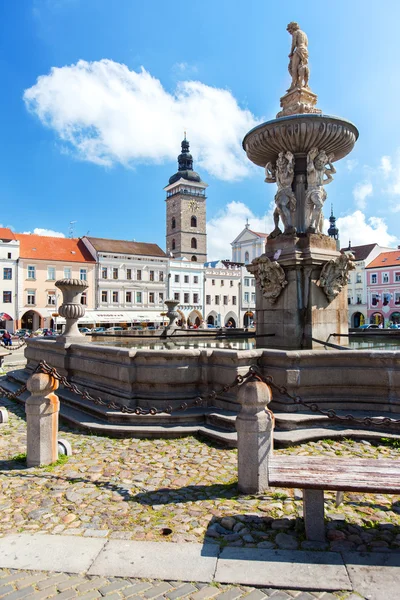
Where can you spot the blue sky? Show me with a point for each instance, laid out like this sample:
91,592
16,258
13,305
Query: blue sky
95,138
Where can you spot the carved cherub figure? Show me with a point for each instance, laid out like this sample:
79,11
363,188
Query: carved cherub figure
320,171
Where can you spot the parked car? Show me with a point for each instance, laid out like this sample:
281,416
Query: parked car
210,326
369,326
22,332
112,329
135,328
85,330
98,330
2,331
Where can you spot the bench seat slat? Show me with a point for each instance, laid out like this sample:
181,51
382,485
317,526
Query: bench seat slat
344,474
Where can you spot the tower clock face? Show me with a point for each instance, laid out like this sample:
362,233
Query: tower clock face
193,205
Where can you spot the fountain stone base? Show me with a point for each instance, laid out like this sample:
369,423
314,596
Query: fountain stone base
302,310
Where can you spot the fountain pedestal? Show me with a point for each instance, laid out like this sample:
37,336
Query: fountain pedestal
291,302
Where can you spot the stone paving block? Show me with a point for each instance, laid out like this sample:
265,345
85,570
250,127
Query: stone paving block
157,560
91,584
256,595
13,577
48,592
137,588
32,579
93,595
113,596
4,589
181,592
49,552
20,593
375,576
52,579
231,594
299,570
281,596
70,583
114,586
158,590
208,591
66,595
305,596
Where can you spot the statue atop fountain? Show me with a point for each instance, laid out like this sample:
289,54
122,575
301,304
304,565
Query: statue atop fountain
297,151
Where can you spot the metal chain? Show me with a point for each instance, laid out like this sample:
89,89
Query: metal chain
13,348
313,406
85,395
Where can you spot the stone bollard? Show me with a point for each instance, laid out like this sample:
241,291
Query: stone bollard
3,415
42,408
254,426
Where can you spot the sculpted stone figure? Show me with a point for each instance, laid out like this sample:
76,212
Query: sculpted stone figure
335,275
320,171
269,276
298,65
282,173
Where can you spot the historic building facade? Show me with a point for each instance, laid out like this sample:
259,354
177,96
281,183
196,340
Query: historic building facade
186,211
222,285
9,255
186,285
383,293
130,282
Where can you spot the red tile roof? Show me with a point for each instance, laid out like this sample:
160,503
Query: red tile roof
360,252
6,234
43,247
386,259
262,235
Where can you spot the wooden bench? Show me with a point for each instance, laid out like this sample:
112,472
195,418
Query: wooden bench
259,469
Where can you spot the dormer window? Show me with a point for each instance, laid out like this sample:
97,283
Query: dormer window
173,223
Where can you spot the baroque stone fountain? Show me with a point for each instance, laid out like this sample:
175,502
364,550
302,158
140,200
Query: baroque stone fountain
301,277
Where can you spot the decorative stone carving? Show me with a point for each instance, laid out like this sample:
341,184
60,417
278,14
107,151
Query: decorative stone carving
320,171
335,275
269,276
285,200
71,308
172,315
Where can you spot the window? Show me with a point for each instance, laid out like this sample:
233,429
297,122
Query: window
186,298
104,272
129,273
51,298
234,300
386,299
358,278
31,272
359,299
104,296
139,297
173,223
193,243
397,298
7,273
253,297
84,298
222,282
194,259
176,278
151,275
128,297
186,278
195,298
208,299
375,299
115,272
397,277
67,272
176,296
195,279
193,222
160,275
115,296
173,244
151,297
253,282
385,277
246,258
216,299
31,297
51,273
373,278
161,297
225,300
139,275
83,274
246,296
8,254
231,283
246,281
6,297
212,281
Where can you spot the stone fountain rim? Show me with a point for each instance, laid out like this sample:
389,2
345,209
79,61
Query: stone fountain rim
302,116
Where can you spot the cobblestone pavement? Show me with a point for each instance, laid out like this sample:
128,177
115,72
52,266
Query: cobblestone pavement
180,490
35,585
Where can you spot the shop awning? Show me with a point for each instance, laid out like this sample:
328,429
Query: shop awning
111,316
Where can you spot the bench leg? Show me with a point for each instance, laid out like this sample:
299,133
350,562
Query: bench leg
313,511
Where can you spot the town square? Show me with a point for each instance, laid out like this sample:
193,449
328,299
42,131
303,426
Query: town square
199,303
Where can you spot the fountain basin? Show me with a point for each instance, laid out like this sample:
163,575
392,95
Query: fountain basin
299,134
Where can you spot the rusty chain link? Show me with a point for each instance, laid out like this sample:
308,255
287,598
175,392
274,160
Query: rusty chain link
13,348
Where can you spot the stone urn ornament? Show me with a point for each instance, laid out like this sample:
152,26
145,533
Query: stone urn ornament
71,308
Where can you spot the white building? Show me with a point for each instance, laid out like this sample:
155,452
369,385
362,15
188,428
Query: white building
186,285
222,283
9,255
131,281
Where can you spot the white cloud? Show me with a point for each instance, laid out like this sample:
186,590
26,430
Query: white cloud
48,232
361,192
109,114
362,230
386,165
351,164
228,223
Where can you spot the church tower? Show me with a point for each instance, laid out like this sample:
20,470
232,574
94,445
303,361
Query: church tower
333,231
186,211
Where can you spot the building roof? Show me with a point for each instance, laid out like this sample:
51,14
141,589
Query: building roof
126,247
386,259
41,247
360,252
6,234
261,235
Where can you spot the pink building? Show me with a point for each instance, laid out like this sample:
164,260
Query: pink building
383,289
